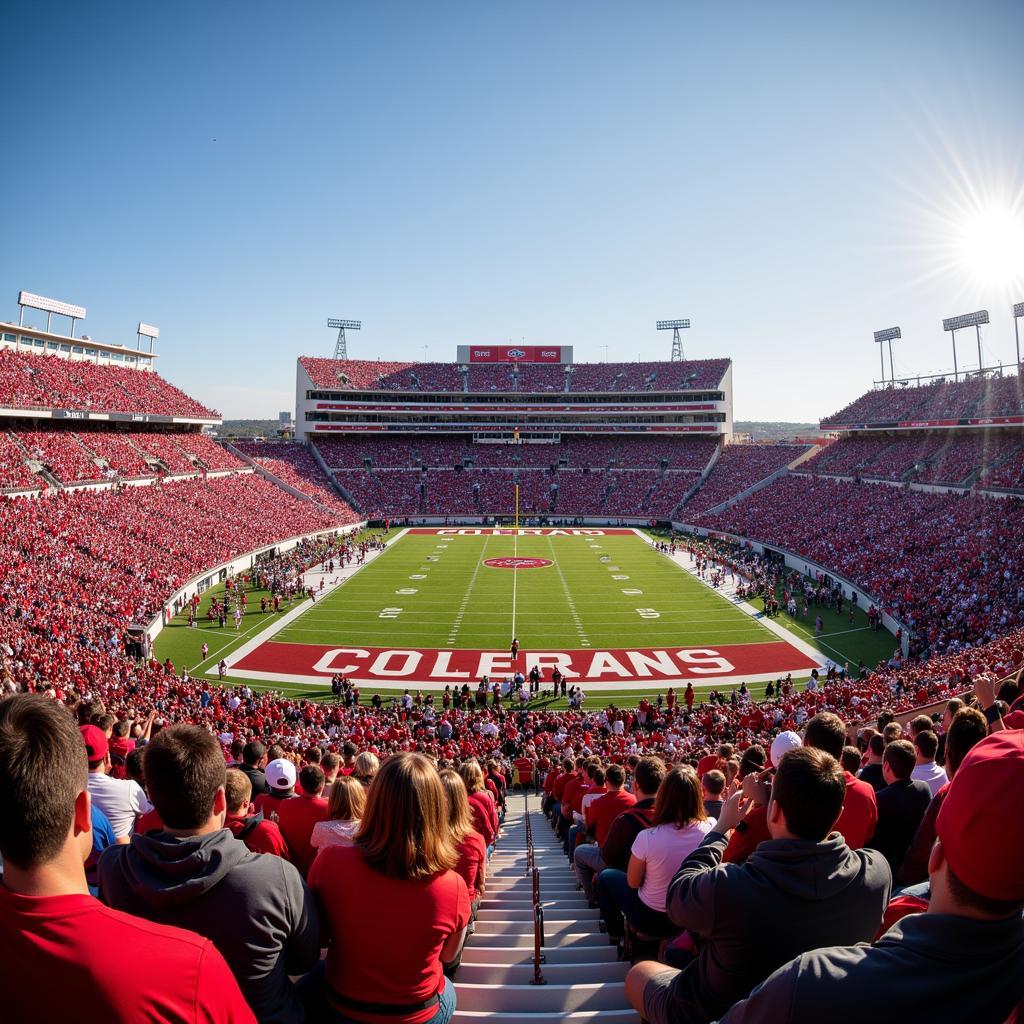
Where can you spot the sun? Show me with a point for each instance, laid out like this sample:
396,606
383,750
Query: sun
990,244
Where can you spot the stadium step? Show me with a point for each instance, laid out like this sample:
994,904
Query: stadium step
584,980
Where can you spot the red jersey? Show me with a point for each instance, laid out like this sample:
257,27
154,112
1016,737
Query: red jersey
67,954
296,819
485,815
472,856
369,959
605,809
860,813
259,835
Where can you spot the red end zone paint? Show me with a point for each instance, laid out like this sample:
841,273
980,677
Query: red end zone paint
518,563
317,663
492,531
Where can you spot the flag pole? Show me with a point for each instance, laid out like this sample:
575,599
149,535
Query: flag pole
517,506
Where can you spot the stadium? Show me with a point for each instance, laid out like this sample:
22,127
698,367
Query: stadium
514,686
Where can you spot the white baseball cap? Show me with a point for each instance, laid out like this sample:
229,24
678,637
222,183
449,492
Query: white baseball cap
280,774
783,744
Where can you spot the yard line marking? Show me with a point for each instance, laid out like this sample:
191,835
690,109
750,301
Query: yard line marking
453,632
568,597
515,580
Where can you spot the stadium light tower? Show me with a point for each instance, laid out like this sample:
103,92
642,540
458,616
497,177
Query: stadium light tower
958,323
886,336
341,345
1018,312
675,326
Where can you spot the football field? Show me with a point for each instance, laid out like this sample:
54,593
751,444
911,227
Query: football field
440,607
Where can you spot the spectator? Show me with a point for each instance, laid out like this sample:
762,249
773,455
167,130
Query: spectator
677,827
281,778
871,773
712,789
957,961
194,874
926,744
647,779
74,958
344,814
827,732
901,805
366,767
805,875
258,834
254,760
481,803
588,859
297,818
468,843
394,911
119,799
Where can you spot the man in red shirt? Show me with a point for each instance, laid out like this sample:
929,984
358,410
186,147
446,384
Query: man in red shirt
258,834
297,817
64,953
827,732
587,860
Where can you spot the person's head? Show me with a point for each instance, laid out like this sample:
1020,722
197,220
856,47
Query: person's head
920,723
647,776
313,755
331,764
460,818
598,777
274,752
121,729
186,776
311,777
966,729
254,754
404,831
614,777
679,801
347,800
237,746
752,760
850,760
135,766
953,705
714,784
725,751
876,748
44,801
827,732
807,795
472,776
237,792
281,775
898,761
97,750
926,743
366,767
974,867
348,752
892,732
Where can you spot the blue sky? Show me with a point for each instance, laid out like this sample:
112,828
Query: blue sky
791,176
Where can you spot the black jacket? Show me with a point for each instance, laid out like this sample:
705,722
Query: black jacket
618,844
926,967
255,908
901,807
788,896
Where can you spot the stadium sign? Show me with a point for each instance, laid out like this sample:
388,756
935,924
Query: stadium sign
316,664
515,354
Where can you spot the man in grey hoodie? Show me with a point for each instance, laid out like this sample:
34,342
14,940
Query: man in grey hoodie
195,874
801,889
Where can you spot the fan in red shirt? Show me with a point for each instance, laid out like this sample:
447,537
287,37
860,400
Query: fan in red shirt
258,834
469,844
63,943
297,818
394,911
481,803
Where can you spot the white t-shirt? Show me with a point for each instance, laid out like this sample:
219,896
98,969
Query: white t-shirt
663,850
119,799
334,833
932,774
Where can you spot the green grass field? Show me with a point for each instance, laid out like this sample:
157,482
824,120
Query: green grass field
435,592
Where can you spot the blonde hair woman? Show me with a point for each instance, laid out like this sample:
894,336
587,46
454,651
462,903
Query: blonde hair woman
469,844
481,803
344,811
392,907
366,767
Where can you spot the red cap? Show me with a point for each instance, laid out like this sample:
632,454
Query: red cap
981,823
96,745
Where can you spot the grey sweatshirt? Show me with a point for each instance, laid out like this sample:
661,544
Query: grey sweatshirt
790,895
255,908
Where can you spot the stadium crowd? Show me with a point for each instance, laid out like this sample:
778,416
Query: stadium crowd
945,565
29,381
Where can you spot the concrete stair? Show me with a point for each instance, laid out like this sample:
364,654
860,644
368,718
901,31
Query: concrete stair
583,977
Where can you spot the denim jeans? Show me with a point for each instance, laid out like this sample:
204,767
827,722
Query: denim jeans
618,899
587,862
313,992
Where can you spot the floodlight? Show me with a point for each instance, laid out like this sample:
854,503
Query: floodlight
675,326
51,305
1018,309
148,331
344,325
1018,312
671,325
958,323
888,334
881,337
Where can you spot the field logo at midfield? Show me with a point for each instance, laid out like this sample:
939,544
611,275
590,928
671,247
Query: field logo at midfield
517,563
